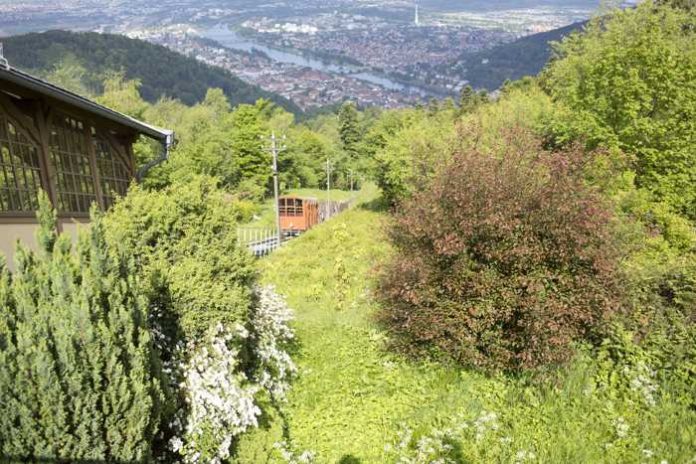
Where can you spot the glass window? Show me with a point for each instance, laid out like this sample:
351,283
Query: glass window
74,179
290,207
114,175
298,207
20,173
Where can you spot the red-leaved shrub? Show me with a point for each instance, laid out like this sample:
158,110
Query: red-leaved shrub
504,261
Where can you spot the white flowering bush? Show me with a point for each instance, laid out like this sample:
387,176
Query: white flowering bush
220,398
271,334
221,387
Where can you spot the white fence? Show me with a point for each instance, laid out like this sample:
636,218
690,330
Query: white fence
259,240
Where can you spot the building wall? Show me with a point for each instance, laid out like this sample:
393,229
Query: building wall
26,233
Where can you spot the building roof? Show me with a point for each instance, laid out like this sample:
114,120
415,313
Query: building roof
22,79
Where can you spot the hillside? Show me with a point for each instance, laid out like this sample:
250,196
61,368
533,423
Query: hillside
355,401
489,69
161,71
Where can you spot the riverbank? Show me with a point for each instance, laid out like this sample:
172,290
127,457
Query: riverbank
235,40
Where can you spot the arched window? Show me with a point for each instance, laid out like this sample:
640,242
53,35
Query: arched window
70,156
114,175
20,172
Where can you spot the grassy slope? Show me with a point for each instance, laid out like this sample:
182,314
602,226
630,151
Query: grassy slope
352,396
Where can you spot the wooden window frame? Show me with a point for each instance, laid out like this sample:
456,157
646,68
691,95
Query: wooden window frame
24,179
33,116
71,153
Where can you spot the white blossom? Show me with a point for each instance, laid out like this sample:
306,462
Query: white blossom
642,381
220,395
272,332
621,427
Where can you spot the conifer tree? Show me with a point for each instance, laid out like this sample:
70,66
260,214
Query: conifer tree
348,129
76,360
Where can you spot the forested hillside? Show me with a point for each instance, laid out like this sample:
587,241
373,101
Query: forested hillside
162,72
489,69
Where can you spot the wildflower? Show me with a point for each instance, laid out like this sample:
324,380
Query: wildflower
621,427
524,455
175,444
486,421
642,381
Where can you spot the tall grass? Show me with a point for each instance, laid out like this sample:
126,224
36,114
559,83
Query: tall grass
353,397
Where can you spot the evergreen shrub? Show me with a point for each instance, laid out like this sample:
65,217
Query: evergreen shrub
78,371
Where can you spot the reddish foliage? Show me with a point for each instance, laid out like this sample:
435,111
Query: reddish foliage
504,261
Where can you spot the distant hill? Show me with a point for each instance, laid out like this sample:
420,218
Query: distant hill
527,56
162,72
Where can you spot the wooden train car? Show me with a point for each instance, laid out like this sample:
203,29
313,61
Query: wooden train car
297,214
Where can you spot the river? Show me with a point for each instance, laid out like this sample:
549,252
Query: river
230,39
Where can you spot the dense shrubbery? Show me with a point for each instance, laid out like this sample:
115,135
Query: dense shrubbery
79,375
407,146
222,342
628,81
152,341
504,261
224,389
184,240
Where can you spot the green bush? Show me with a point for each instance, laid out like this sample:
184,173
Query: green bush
407,145
77,365
504,261
221,340
630,81
184,241
661,281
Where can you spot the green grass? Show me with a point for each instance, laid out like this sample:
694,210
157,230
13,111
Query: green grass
353,395
266,216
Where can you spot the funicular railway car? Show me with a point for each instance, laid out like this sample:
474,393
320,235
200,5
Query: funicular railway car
297,214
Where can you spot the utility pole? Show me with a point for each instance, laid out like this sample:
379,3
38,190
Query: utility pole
274,148
328,188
